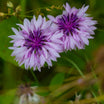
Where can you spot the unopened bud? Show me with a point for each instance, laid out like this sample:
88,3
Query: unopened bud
14,13
47,9
18,8
2,14
52,7
10,4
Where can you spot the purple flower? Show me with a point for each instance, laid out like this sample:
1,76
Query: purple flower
34,44
75,25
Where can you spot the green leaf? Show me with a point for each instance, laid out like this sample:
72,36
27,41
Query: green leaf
92,3
78,56
23,8
8,97
5,31
57,81
43,93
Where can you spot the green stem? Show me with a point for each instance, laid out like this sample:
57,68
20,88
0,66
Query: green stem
23,7
95,96
34,76
92,68
75,65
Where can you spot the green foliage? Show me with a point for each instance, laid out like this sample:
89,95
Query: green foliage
23,8
5,31
8,97
57,81
43,93
77,56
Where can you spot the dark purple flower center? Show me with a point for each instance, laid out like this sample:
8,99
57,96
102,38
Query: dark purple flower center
35,41
68,23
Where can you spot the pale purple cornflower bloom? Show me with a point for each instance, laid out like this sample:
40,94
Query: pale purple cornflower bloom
34,43
75,25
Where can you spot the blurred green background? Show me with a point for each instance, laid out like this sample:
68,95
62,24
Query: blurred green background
11,75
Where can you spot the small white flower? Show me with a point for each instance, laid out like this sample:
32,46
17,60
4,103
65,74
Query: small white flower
29,99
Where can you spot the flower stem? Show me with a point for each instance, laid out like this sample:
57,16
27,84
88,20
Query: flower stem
75,65
95,96
35,77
